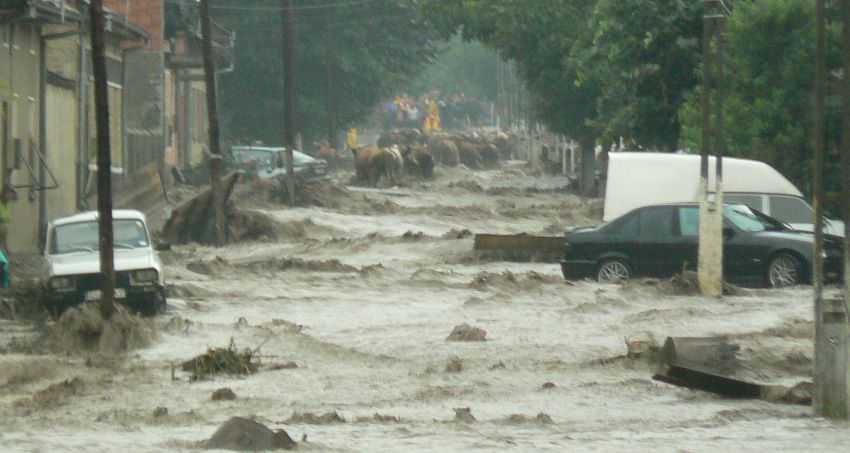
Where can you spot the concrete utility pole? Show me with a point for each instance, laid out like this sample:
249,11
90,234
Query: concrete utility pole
711,212
289,97
212,112
104,161
831,329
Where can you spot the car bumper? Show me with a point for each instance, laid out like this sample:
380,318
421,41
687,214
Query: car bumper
135,296
577,269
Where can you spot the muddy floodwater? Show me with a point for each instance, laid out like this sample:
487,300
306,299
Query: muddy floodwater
361,293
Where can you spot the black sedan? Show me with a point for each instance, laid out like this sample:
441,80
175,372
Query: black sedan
662,240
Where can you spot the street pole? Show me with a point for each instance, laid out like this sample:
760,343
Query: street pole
843,373
710,266
212,112
289,97
831,361
104,161
331,94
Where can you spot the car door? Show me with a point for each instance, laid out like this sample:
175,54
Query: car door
686,251
656,242
743,261
620,238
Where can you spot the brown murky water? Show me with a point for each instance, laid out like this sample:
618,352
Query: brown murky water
362,293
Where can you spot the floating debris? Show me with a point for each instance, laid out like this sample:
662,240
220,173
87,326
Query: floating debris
221,360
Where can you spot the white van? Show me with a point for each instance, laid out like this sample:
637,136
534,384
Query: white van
638,179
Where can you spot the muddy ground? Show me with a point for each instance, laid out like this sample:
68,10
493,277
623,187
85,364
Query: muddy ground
348,304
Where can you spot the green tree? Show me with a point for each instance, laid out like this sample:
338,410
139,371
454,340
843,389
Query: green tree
596,70
770,55
539,37
462,67
368,50
642,55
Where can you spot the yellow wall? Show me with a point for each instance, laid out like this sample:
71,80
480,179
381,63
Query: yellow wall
62,147
22,98
199,126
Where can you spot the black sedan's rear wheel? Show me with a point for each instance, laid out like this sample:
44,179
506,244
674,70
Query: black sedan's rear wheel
784,270
613,271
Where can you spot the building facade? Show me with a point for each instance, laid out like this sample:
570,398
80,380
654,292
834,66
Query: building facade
47,121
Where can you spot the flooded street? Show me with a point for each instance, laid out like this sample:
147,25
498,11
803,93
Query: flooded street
361,293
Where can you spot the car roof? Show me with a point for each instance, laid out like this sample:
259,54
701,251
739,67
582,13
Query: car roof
270,149
674,205
88,216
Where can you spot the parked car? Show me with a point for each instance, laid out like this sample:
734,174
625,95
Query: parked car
73,263
633,181
271,161
662,240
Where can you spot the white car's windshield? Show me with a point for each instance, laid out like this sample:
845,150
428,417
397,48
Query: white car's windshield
83,236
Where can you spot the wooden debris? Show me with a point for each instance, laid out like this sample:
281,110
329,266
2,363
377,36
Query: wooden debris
192,220
520,247
221,360
703,364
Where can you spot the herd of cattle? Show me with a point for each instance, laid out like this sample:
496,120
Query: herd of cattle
413,152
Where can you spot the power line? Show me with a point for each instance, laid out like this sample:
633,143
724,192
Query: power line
279,8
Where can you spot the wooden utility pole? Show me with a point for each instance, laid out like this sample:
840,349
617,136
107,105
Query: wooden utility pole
843,328
830,397
289,96
329,69
104,160
212,112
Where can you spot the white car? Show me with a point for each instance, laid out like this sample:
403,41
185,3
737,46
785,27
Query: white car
271,162
73,263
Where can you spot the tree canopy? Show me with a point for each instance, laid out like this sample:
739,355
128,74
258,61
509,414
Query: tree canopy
597,70
769,83
349,55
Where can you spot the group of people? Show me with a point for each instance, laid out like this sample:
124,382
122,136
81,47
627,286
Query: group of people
404,112
434,111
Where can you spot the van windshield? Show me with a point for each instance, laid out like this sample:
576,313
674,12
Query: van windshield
790,209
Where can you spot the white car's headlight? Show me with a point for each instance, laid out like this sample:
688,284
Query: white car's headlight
145,276
61,283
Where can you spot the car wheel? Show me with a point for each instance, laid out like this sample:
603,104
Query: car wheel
783,271
612,271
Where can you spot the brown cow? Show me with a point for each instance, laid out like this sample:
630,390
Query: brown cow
469,153
444,150
418,160
370,163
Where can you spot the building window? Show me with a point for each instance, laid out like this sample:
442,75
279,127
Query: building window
16,148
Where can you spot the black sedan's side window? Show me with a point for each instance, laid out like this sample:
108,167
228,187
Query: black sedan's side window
656,223
689,221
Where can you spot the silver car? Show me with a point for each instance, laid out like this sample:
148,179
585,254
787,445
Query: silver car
271,161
